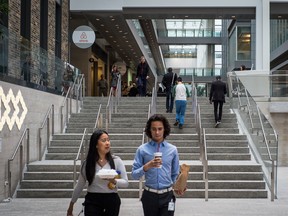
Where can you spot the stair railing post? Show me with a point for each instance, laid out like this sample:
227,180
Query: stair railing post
273,181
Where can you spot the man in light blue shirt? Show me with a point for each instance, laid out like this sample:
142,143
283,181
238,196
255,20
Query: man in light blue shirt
160,173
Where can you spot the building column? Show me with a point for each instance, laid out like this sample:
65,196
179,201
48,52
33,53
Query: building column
263,35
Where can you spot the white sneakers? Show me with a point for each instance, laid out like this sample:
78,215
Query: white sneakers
217,124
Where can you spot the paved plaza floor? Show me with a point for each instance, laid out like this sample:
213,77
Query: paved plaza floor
184,207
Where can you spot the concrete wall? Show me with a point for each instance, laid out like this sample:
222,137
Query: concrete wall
279,120
37,103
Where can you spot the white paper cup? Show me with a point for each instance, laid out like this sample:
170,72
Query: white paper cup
158,155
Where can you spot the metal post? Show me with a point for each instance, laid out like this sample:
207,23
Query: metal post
21,162
28,146
48,132
53,119
40,143
9,178
273,181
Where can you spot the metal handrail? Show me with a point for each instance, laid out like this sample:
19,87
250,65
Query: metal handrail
272,187
205,165
82,151
48,135
79,92
272,174
142,177
98,118
65,104
113,102
69,95
199,125
194,99
203,148
143,141
109,108
119,92
20,148
249,109
153,102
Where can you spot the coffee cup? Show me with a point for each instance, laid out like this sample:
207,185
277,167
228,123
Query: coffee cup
158,155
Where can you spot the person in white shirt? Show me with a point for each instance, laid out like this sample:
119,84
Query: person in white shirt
102,195
180,93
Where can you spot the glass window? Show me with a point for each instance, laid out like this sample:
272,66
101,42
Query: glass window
243,43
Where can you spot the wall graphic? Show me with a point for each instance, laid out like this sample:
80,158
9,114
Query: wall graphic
13,109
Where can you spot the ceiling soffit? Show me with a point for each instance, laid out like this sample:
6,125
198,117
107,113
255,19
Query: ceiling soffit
152,41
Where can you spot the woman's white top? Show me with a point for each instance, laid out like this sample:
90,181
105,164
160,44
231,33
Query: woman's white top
100,185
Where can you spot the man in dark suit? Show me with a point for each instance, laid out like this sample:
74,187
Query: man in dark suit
217,96
142,76
169,80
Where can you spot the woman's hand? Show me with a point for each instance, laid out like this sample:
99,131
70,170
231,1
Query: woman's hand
69,213
70,209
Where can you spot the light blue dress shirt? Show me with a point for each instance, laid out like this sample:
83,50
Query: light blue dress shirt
157,178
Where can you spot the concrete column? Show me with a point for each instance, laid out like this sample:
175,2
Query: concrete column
263,35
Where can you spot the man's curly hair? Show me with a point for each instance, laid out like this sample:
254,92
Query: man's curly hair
157,117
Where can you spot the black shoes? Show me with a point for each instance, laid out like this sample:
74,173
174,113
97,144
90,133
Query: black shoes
217,124
176,123
180,126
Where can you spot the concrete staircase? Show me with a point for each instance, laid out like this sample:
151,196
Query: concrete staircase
232,172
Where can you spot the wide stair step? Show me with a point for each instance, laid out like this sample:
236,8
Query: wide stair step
231,171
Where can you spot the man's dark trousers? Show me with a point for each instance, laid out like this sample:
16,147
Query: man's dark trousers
216,115
169,100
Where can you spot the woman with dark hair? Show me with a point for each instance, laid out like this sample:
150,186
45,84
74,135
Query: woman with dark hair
102,197
158,160
115,74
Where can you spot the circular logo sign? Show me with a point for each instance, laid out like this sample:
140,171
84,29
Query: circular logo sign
121,67
83,37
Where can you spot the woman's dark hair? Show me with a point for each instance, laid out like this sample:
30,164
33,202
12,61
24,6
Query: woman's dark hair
157,117
93,156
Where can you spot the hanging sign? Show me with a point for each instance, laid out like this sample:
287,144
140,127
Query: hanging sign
83,37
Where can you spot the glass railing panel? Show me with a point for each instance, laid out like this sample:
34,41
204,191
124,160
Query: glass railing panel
279,84
206,32
24,63
264,137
